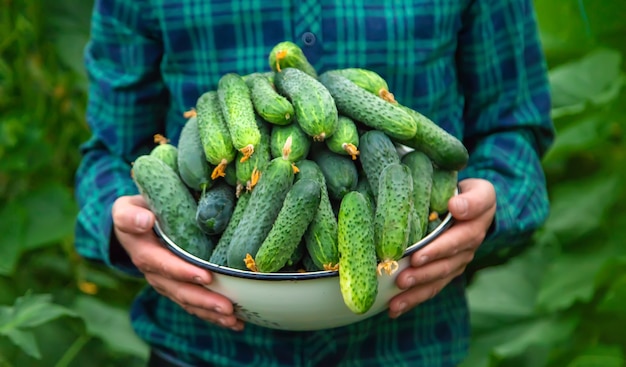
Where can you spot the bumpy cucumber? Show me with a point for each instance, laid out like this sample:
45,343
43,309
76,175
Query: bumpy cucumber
365,107
193,167
393,214
443,148
368,80
300,141
345,140
268,104
215,208
165,151
288,54
238,111
294,217
443,187
377,152
321,235
363,186
219,255
262,209
249,170
315,109
172,204
422,174
357,261
230,176
340,171
214,134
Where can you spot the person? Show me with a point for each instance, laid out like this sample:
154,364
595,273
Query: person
475,67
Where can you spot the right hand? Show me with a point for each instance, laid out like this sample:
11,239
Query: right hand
169,275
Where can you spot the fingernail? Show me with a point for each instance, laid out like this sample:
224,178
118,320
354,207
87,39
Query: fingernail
422,260
461,207
142,221
399,311
410,281
199,280
223,322
217,309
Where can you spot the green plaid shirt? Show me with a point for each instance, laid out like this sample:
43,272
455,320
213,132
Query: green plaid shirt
474,66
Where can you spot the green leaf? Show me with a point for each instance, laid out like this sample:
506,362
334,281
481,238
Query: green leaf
12,223
110,324
600,356
33,310
26,341
615,297
577,137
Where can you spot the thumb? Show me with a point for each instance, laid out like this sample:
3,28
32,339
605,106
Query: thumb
131,215
476,197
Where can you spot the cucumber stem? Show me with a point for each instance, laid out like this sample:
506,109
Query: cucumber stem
387,95
332,267
160,139
287,148
433,216
254,178
220,169
189,114
351,149
319,137
279,56
247,152
250,264
388,265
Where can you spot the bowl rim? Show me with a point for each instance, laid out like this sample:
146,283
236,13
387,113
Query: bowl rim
246,274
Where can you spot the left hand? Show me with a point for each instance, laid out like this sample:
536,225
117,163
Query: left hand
437,264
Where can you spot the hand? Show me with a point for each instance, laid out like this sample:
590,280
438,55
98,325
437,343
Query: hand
168,274
437,264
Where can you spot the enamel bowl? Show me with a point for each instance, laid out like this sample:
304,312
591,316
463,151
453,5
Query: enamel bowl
296,301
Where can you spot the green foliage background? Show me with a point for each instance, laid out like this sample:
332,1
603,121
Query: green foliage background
558,304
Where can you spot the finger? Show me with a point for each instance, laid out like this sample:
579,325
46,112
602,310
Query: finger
477,196
414,296
434,271
131,215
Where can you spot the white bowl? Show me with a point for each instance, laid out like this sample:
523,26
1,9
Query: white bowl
296,301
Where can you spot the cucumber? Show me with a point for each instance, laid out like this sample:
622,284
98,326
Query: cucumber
422,174
363,186
433,224
345,140
300,141
165,152
219,255
193,167
315,109
363,106
171,202
215,208
392,217
271,106
321,235
249,170
368,80
262,209
294,217
444,184
230,176
443,148
357,261
340,171
214,135
377,152
238,111
288,54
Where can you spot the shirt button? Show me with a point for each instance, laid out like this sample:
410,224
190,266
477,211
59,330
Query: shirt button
308,38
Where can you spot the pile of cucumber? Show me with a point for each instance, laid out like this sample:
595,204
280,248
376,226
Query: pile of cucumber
288,170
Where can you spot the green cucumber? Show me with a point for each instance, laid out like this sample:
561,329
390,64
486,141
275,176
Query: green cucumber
321,235
422,174
365,107
357,262
193,167
294,217
215,208
238,111
364,187
171,202
249,170
392,217
368,80
340,171
262,209
443,188
315,109
230,176
165,151
214,133
219,255
271,106
345,140
287,54
443,148
300,141
377,152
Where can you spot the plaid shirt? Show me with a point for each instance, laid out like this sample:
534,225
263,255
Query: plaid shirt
474,67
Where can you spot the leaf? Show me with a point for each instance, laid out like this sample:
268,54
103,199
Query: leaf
12,223
615,298
110,324
577,137
26,341
33,310
599,356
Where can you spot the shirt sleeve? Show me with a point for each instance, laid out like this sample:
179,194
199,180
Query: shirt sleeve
503,76
126,107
